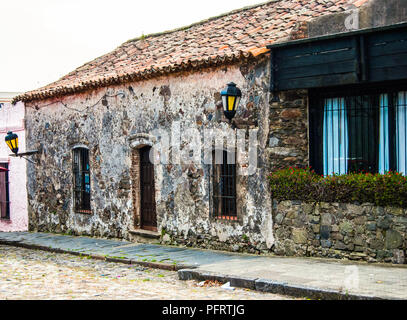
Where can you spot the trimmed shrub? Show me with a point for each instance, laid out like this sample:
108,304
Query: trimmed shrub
388,189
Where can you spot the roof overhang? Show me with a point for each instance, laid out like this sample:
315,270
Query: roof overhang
362,56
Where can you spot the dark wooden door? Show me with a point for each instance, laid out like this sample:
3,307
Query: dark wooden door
147,191
4,192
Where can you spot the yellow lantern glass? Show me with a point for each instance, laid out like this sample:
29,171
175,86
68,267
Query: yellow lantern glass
231,103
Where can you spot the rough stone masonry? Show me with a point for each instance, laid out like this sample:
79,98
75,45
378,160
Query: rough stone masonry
341,230
112,123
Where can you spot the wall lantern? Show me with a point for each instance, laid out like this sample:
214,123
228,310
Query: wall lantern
12,142
230,99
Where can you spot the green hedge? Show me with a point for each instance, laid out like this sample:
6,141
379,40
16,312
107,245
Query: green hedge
388,189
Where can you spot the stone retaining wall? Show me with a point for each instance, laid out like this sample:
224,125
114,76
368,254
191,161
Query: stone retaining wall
338,230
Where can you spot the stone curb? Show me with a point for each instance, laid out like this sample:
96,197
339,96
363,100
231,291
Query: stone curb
154,265
270,286
266,285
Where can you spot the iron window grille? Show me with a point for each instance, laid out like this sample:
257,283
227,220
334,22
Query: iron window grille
224,187
4,193
359,130
81,174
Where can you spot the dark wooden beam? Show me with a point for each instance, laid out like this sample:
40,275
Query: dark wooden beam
273,84
363,59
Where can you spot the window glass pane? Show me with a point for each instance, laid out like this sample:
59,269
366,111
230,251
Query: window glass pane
401,128
384,159
335,144
78,182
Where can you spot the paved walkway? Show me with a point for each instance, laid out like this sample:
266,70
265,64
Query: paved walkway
308,277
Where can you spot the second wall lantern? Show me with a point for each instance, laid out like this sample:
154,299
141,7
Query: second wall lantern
230,98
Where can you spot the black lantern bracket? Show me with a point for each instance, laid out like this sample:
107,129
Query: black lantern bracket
23,154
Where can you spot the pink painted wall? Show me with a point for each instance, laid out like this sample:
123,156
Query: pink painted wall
12,119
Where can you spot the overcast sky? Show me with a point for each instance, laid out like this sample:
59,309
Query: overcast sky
42,40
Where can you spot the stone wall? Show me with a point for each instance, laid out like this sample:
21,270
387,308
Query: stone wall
113,122
288,139
337,230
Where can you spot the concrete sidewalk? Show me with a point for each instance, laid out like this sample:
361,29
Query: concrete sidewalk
304,277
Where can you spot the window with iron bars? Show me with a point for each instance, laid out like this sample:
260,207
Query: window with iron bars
360,130
224,186
81,175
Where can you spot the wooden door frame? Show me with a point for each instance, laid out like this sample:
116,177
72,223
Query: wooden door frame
136,142
6,215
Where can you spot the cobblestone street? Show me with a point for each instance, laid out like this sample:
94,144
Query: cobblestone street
35,274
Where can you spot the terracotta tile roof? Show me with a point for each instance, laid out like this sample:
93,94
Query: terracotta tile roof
237,35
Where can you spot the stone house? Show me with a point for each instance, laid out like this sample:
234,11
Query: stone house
95,127
13,175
